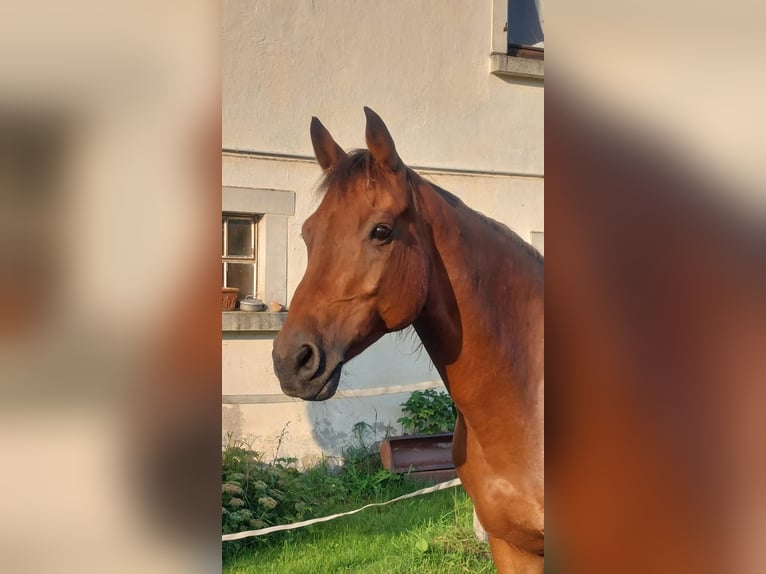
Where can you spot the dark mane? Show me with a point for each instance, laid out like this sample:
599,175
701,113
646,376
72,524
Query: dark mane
501,228
342,178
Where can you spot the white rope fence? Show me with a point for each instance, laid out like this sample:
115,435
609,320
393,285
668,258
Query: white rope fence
280,527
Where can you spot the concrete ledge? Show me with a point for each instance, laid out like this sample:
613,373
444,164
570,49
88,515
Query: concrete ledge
251,200
252,321
516,66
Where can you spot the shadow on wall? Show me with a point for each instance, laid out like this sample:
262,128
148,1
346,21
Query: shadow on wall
233,422
397,359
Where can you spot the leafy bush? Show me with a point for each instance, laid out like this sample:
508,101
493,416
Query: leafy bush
428,412
256,494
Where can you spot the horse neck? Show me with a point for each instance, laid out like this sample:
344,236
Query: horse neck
483,317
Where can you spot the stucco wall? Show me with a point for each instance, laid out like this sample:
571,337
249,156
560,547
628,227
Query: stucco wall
424,67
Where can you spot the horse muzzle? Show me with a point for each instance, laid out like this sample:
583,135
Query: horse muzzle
303,370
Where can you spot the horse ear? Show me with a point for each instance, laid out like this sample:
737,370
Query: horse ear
328,153
379,141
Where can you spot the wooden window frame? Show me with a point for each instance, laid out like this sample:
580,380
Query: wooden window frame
252,260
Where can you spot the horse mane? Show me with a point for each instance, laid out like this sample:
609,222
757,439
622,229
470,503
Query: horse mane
358,163
501,228
341,178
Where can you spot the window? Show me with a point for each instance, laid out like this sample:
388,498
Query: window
238,255
517,39
524,25
254,238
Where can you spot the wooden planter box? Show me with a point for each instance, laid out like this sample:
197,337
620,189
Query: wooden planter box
424,457
229,298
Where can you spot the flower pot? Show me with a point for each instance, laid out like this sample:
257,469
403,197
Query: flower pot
423,457
229,298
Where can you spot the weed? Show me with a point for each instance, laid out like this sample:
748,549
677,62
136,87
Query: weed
256,494
428,412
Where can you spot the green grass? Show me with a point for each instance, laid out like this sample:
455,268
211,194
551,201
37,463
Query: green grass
429,534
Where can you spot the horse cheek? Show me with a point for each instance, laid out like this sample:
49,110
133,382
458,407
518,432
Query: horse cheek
405,292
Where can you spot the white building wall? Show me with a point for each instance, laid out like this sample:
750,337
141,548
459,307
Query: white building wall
424,67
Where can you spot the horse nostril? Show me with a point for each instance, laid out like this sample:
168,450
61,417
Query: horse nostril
307,361
303,356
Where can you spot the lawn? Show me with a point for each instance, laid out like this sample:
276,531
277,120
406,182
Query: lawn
428,534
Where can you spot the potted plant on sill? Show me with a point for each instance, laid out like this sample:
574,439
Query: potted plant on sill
229,295
426,451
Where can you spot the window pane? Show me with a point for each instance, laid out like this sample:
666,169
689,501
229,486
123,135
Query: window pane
524,27
240,240
241,275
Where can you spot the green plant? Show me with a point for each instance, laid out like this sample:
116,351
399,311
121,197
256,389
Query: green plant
428,412
256,494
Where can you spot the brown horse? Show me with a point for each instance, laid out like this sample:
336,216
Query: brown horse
387,249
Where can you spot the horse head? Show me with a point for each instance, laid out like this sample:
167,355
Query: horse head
368,263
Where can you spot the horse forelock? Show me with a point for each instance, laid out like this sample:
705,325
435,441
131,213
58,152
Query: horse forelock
358,166
340,179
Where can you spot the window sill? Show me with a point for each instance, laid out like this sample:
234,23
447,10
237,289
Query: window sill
252,321
504,65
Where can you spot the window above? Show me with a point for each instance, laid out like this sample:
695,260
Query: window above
517,39
524,26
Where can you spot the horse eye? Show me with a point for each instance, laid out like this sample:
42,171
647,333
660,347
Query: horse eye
382,232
